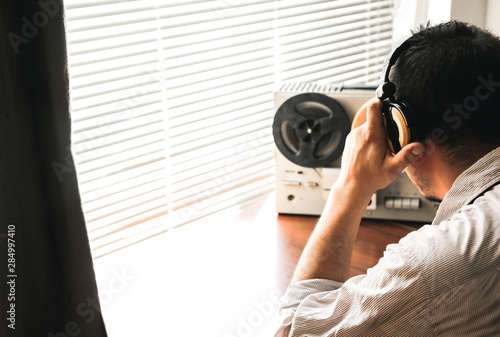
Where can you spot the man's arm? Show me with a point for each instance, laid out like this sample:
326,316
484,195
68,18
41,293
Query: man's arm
367,166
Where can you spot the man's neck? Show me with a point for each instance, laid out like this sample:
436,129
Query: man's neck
446,171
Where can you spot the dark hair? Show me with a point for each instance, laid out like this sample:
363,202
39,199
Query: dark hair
450,76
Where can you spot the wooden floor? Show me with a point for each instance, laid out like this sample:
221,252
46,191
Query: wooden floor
225,272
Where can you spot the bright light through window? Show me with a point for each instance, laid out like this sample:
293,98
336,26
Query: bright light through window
172,100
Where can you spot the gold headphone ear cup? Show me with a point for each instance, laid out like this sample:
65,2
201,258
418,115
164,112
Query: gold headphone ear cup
389,142
403,129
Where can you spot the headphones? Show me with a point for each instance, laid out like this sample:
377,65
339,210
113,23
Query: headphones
400,121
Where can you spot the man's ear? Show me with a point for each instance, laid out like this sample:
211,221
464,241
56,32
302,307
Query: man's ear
429,148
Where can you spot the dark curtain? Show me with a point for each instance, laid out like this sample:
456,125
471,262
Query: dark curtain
48,284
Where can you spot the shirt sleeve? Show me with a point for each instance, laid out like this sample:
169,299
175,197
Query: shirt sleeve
390,299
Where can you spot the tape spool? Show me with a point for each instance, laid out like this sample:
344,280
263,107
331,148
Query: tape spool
310,129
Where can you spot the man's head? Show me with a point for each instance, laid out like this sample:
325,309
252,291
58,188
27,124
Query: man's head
450,76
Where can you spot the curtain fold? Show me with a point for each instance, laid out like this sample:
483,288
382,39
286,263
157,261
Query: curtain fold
48,284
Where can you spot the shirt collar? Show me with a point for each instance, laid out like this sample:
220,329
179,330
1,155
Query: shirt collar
469,185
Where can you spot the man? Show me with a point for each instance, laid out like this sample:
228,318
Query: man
444,279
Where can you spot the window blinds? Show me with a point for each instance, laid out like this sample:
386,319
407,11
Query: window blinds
172,100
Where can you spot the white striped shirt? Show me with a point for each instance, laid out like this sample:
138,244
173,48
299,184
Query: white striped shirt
442,280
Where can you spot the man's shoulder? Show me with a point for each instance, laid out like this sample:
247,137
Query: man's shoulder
489,201
462,247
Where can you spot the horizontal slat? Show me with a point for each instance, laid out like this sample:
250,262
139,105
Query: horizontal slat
116,91
141,48
117,100
189,159
265,10
336,15
223,136
219,123
88,23
186,16
83,122
219,126
119,132
143,228
208,194
118,188
339,40
340,56
224,160
343,67
354,76
203,206
104,183
128,230
109,170
133,8
231,109
89,154
137,58
133,102
143,209
117,200
96,5
152,69
333,16
215,96
123,156
222,184
182,57
172,49
223,171
332,26
85,34
128,207
229,101
205,69
207,78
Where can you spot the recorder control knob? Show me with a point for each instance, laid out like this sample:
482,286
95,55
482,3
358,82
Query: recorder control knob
402,203
291,183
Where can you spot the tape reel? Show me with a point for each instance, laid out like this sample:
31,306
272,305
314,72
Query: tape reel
310,129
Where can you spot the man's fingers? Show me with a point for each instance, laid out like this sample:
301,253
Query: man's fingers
374,113
360,117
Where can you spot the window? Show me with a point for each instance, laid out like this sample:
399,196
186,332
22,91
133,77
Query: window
172,100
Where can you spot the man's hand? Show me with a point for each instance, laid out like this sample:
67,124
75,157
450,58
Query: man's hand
367,165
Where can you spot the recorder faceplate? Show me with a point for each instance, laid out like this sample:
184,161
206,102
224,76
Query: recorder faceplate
309,132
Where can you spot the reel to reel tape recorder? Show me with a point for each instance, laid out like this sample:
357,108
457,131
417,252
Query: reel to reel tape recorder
310,126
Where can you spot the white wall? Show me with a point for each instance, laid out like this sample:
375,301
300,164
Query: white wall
473,12
482,13
412,13
492,20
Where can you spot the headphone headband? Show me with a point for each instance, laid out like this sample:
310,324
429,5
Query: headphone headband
393,57
401,126
386,89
